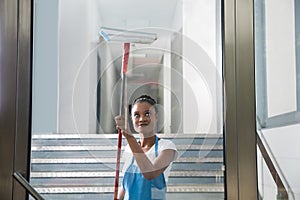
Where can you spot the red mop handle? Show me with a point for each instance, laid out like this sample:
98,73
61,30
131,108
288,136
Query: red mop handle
125,58
124,70
118,165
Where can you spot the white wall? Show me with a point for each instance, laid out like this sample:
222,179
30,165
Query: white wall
165,80
201,78
77,69
45,64
65,66
284,143
110,92
280,56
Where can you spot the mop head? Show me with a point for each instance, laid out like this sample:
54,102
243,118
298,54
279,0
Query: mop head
126,36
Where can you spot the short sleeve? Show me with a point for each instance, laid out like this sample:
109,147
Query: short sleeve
164,145
127,156
167,144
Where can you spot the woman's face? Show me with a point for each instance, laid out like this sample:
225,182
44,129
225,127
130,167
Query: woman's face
144,118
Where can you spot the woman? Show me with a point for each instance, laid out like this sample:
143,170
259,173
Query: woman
147,161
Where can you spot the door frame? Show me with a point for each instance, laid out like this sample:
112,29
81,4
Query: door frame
15,95
239,113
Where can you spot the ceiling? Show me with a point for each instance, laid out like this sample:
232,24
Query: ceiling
132,14
155,16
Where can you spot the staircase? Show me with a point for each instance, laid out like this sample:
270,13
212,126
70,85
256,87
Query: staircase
82,166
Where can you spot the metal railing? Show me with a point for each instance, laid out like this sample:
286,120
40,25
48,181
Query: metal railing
282,191
26,185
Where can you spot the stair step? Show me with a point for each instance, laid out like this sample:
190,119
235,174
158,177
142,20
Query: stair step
110,189
111,139
113,160
112,154
114,148
109,196
115,136
108,181
40,167
101,142
101,174
82,166
107,178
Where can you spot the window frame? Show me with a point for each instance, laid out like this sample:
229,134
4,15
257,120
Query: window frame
288,118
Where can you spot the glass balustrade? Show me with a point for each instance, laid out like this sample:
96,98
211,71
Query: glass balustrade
277,90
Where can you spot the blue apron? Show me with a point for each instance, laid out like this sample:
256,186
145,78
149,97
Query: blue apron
136,187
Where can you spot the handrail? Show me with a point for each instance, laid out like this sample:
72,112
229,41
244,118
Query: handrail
24,183
282,191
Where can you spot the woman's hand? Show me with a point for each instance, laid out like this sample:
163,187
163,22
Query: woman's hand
122,125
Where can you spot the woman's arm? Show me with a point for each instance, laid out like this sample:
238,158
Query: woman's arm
121,194
149,170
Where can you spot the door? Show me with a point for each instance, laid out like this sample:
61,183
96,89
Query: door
237,39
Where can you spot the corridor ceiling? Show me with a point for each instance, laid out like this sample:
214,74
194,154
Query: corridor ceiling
132,14
140,14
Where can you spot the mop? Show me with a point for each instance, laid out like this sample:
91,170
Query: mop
126,37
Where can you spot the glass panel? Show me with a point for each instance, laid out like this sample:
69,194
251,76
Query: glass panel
267,187
280,57
77,86
277,63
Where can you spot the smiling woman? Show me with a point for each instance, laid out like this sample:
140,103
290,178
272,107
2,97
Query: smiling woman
146,168
144,115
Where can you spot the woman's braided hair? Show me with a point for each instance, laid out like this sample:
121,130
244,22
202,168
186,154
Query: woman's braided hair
145,98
